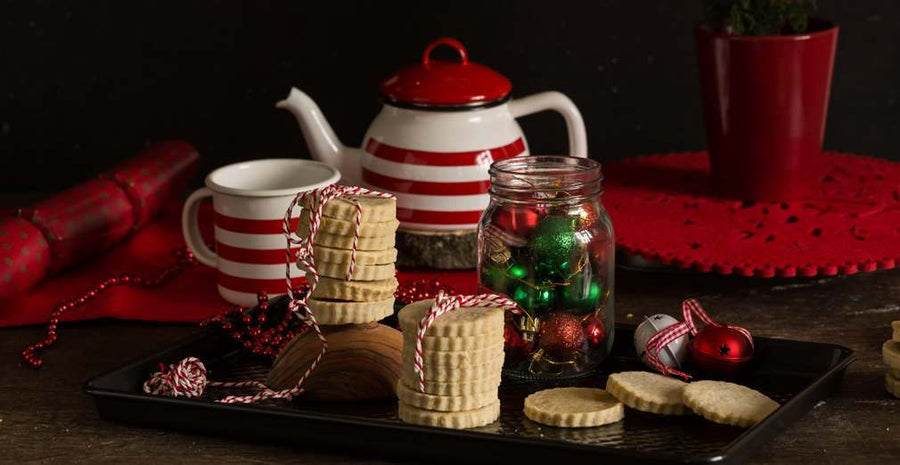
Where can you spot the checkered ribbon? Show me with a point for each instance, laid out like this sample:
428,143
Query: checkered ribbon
689,309
444,303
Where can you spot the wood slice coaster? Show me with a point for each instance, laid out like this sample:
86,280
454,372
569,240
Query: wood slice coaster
446,250
363,362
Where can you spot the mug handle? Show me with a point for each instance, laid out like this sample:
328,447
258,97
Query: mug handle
191,229
558,102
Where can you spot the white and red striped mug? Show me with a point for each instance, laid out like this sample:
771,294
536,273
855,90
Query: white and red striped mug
250,200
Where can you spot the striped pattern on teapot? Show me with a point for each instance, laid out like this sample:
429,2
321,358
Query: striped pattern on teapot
419,179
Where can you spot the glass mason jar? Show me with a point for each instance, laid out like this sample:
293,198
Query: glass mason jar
546,241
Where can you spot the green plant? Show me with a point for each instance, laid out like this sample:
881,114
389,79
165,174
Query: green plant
758,17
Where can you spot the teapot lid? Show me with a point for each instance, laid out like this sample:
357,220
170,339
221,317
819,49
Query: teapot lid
445,83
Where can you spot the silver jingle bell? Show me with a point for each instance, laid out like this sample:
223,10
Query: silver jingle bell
674,354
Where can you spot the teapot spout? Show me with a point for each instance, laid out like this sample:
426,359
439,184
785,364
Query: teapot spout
323,143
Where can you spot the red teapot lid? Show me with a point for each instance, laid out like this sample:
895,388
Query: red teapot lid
445,83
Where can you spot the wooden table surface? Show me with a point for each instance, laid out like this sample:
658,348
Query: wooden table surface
44,417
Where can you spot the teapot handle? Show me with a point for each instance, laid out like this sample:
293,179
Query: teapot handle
558,102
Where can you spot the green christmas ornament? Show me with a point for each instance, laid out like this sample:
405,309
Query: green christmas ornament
532,300
495,279
553,245
581,295
518,271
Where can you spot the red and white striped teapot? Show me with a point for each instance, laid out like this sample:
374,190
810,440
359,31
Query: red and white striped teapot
442,125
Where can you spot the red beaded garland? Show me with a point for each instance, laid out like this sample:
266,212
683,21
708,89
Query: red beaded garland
420,289
248,327
252,330
183,259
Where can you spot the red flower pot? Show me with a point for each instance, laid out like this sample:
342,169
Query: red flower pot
765,99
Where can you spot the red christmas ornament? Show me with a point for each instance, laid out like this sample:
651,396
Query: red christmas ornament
561,336
516,345
594,331
720,351
600,248
587,216
518,221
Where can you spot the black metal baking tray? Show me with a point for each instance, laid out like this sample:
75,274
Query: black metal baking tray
796,374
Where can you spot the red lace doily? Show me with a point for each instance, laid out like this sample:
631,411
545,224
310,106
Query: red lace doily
663,209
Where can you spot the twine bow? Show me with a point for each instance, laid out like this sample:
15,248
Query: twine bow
444,303
689,309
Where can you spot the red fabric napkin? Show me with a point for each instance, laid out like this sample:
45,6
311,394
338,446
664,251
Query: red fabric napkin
189,297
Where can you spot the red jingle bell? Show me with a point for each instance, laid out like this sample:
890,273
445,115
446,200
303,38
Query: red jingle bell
721,351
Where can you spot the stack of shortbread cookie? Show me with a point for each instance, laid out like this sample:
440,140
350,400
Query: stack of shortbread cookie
891,353
369,295
463,358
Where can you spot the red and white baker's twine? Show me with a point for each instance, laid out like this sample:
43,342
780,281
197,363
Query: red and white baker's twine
444,303
689,308
188,377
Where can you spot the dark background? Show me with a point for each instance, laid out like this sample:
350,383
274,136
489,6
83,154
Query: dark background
85,84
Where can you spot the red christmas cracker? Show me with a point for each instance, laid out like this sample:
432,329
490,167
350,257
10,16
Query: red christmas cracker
82,221
24,255
89,218
155,176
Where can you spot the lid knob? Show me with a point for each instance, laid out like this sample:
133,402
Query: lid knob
450,42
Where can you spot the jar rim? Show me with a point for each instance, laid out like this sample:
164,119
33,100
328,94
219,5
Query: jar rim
572,165
545,173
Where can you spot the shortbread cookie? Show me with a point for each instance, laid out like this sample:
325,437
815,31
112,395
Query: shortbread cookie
891,353
340,227
452,375
647,392
462,322
895,325
374,209
355,291
573,407
346,242
728,403
459,388
455,420
437,403
459,359
360,272
363,257
892,384
453,344
337,312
